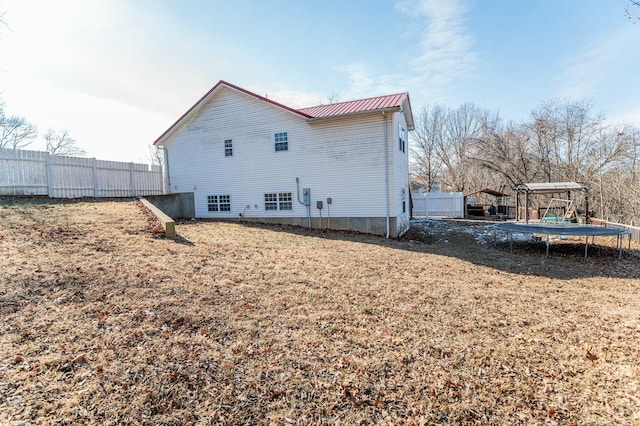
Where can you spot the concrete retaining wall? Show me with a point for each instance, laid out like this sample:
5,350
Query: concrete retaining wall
167,223
177,206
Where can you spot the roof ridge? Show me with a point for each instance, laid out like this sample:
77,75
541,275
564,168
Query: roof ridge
355,100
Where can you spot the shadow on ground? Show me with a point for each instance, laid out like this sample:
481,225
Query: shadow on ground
473,241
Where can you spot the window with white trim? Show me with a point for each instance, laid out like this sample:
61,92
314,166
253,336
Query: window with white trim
402,138
219,203
228,147
282,141
278,201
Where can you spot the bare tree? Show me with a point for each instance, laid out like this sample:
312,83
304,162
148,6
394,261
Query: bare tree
506,152
634,15
429,129
455,150
155,155
333,97
61,143
15,132
469,148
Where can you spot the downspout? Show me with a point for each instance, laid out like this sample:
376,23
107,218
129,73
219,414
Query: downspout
386,171
167,178
307,205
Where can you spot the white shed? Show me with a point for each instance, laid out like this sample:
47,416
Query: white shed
339,166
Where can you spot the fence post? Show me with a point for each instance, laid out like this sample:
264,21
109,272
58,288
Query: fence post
133,180
49,176
95,178
426,205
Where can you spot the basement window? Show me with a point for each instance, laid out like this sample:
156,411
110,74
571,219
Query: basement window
285,200
282,141
219,203
228,148
278,201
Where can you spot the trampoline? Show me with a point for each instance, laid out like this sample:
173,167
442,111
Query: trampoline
572,229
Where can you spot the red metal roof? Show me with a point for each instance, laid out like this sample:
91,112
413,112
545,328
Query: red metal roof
360,105
490,192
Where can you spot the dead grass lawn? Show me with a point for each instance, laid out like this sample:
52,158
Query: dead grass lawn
103,323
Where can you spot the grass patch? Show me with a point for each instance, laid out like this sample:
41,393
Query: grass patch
102,323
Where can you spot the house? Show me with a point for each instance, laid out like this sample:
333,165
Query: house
418,185
339,166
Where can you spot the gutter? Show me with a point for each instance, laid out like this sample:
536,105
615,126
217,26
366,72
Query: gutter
165,169
351,114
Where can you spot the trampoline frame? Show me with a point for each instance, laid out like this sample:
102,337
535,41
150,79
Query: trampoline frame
571,229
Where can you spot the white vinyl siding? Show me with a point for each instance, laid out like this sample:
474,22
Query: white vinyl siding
399,187
338,158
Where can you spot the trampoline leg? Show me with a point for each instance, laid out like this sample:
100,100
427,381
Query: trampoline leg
620,242
547,253
586,247
511,242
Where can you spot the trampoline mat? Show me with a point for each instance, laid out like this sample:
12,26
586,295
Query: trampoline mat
562,229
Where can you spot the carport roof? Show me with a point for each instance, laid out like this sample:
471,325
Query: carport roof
550,187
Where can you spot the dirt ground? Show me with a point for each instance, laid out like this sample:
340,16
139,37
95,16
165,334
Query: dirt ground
103,322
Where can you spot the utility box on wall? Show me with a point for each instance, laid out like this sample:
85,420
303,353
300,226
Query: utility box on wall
306,196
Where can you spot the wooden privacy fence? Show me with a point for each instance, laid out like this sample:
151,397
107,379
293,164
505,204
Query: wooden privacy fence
635,230
442,204
38,173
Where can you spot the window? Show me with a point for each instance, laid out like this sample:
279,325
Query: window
219,203
282,141
271,201
401,138
278,201
284,198
228,148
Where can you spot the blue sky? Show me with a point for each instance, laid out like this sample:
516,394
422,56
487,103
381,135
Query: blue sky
117,73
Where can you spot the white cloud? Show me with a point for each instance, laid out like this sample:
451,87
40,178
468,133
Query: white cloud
101,69
440,52
295,98
444,49
630,117
361,83
586,71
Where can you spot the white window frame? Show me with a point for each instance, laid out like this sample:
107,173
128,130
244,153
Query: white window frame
218,203
402,139
281,141
228,147
278,201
